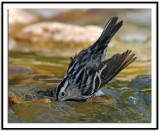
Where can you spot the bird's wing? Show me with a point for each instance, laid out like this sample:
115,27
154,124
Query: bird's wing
111,67
102,72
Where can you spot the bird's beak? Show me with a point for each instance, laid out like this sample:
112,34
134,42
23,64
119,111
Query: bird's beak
64,98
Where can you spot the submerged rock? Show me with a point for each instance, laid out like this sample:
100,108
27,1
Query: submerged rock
136,103
13,99
46,91
29,97
25,97
52,32
142,81
46,100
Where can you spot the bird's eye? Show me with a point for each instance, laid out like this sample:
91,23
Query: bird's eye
63,94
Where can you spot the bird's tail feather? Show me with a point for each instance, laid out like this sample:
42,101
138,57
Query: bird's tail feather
109,31
116,64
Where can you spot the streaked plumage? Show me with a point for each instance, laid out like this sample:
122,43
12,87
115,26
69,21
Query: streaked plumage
89,70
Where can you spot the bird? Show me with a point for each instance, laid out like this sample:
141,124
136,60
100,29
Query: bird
89,70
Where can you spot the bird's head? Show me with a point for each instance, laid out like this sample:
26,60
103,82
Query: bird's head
68,91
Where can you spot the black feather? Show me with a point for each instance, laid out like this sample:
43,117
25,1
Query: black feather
116,64
110,29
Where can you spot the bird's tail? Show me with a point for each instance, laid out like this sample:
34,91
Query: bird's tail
109,31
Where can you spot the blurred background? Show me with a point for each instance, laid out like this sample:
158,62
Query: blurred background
41,41
54,30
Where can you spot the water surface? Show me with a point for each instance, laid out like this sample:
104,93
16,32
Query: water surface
33,77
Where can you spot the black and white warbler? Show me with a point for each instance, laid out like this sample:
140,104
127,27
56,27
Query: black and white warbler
89,70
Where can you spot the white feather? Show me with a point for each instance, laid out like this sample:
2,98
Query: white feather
99,93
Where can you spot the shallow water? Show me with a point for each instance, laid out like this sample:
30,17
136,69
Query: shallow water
33,77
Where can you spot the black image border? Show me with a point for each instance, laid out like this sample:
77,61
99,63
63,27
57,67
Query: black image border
80,2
